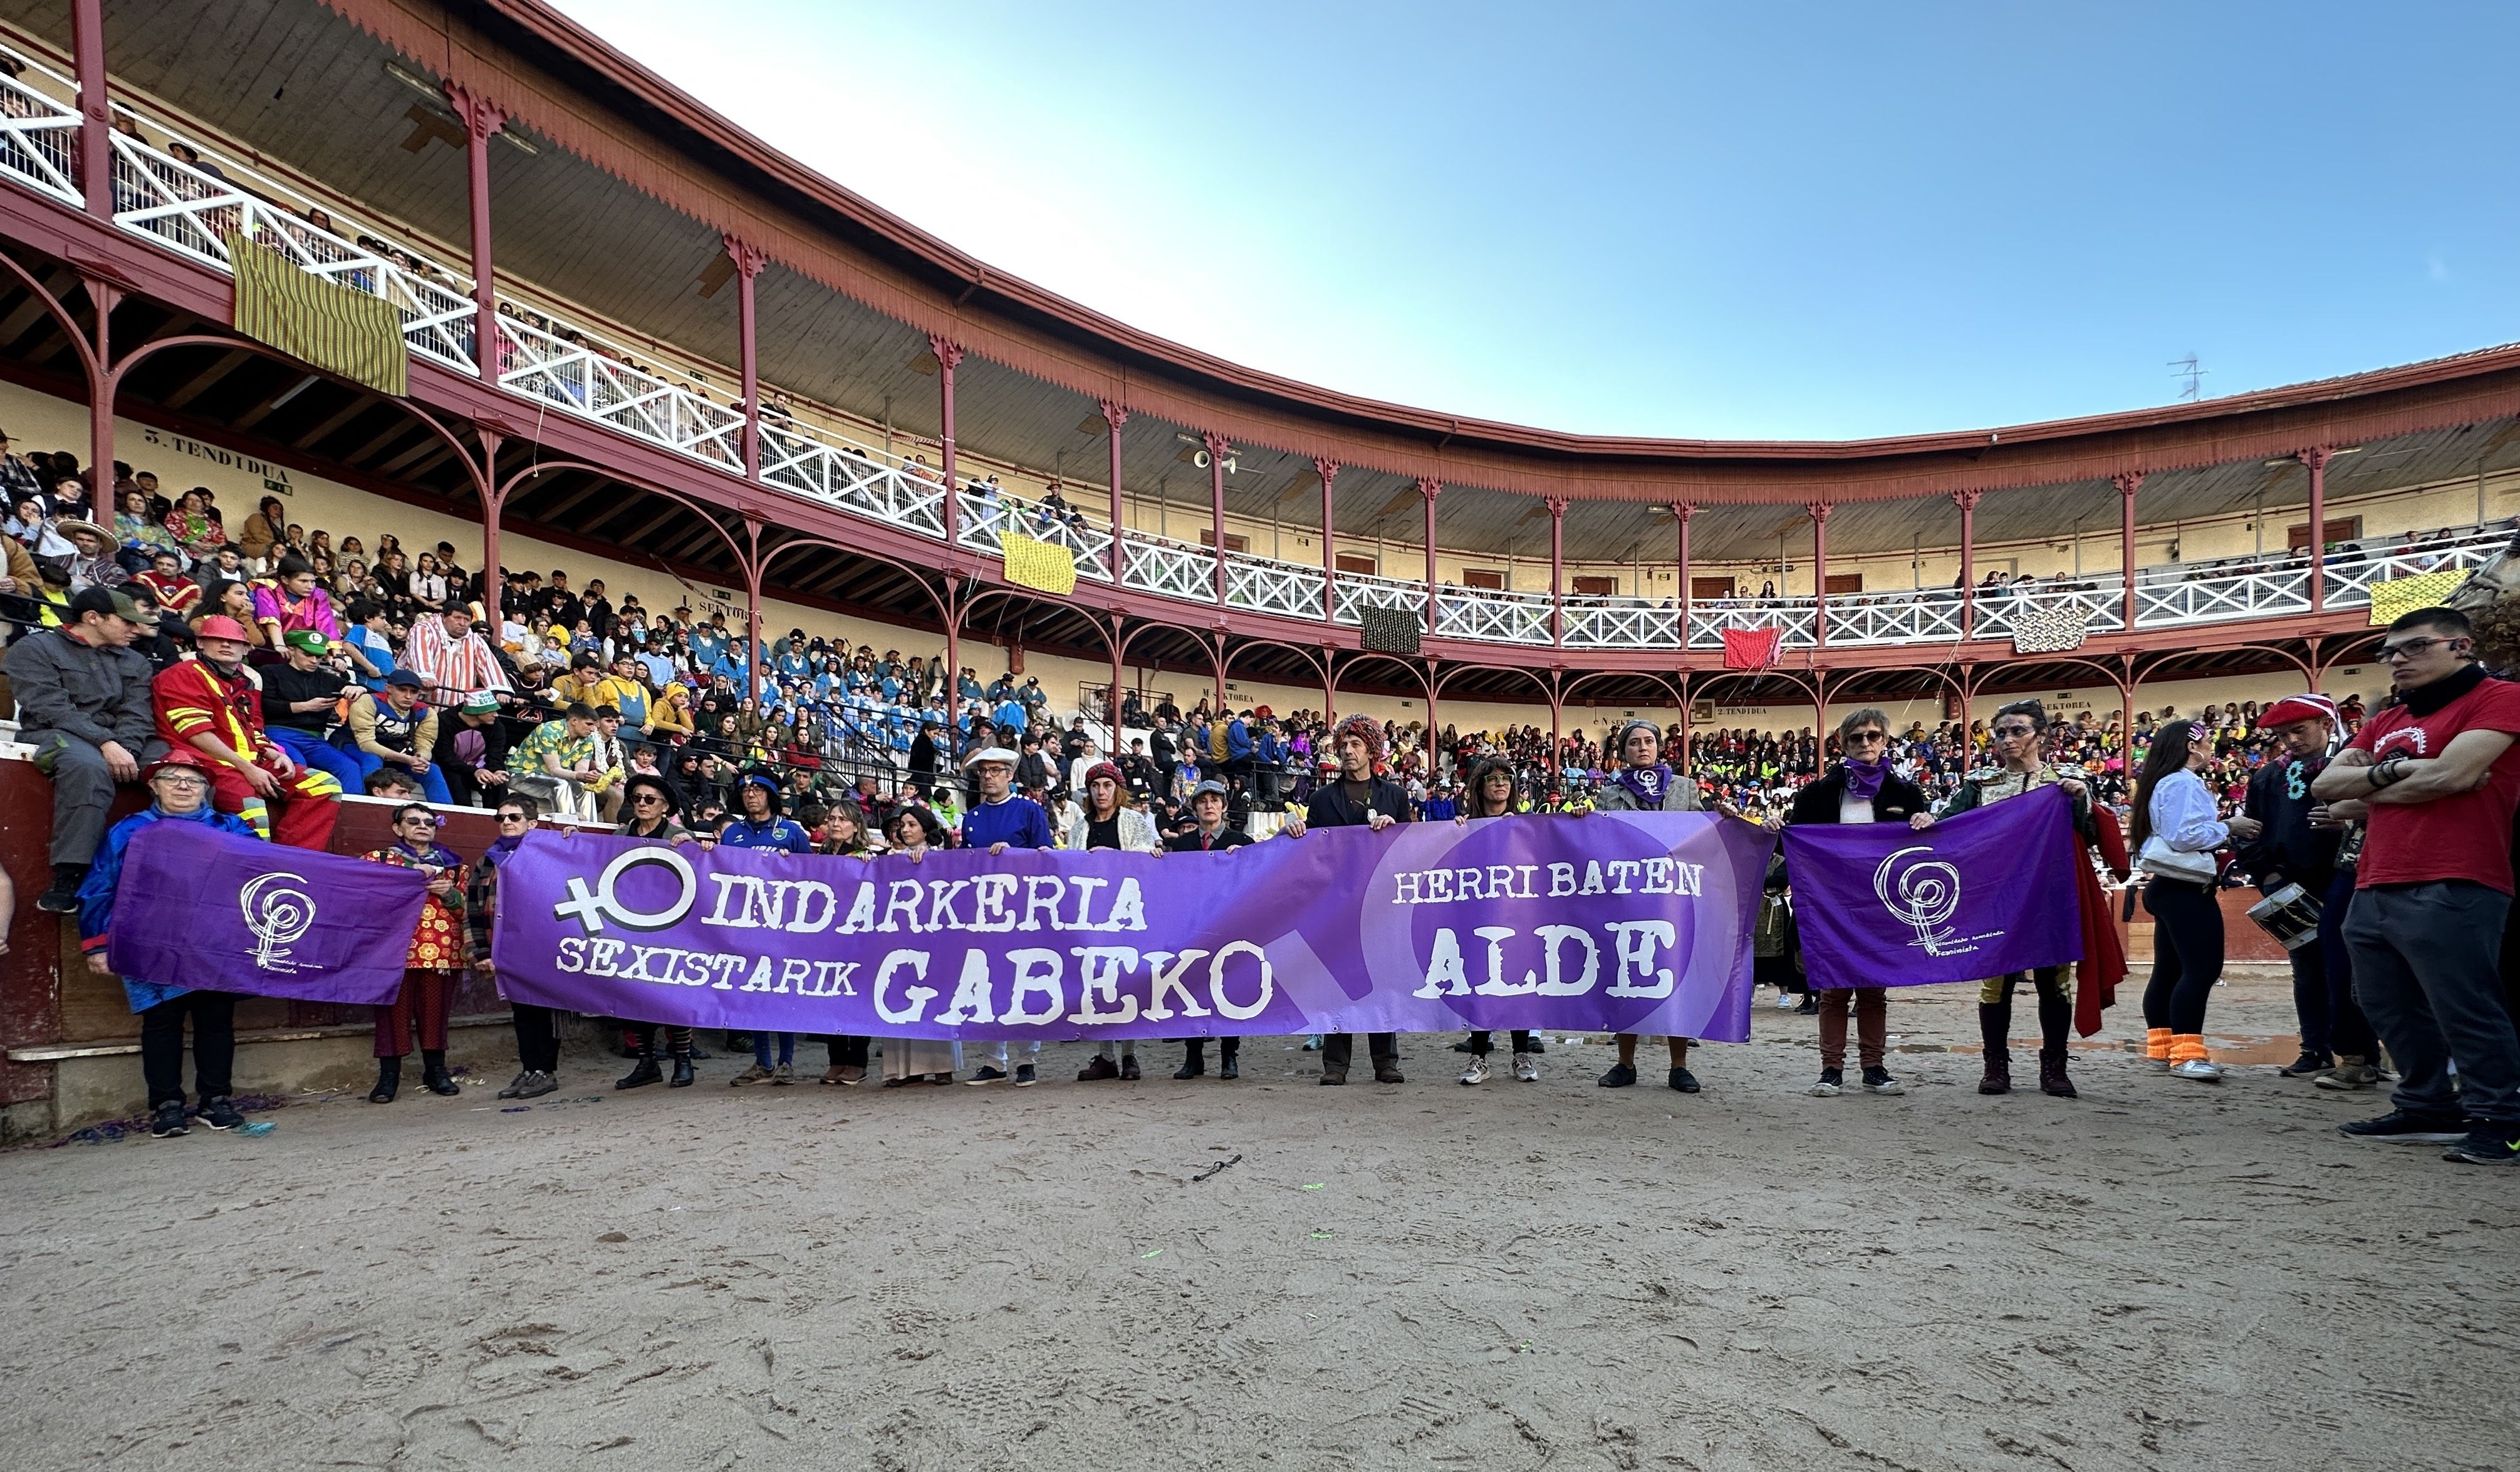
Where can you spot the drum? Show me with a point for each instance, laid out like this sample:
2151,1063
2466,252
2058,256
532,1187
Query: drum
2289,915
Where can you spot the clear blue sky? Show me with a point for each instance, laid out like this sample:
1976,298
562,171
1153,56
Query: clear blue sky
1733,221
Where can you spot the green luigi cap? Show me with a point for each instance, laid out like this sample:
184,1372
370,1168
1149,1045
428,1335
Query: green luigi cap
312,640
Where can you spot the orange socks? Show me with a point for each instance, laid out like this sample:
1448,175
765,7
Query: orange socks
2156,1044
2188,1047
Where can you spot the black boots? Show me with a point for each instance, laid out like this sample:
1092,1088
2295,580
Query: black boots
1229,1054
1195,1062
682,1072
647,1072
1994,1026
389,1081
2056,1024
434,1074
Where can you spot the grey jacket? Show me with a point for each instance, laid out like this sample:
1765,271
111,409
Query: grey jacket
1679,797
95,695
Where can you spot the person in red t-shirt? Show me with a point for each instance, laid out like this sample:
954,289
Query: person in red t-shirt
2442,774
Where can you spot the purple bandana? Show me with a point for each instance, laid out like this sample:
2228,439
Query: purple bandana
1647,785
1864,780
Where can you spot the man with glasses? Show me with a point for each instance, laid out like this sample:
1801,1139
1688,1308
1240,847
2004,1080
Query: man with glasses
2019,768
2433,888
1861,789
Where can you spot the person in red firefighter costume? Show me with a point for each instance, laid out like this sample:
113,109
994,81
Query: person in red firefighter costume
209,704
2066,998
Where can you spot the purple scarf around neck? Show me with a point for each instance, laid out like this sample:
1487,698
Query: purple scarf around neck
1647,785
1864,780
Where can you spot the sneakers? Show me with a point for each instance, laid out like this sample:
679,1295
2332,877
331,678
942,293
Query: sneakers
2198,1069
2399,1127
1684,1081
1832,1082
166,1121
2307,1064
1526,1070
2351,1075
985,1075
1096,1071
835,1074
1620,1076
1477,1072
783,1075
752,1074
1810,1005
1786,1002
515,1085
63,896
2486,1144
536,1083
1024,1076
220,1112
1877,1079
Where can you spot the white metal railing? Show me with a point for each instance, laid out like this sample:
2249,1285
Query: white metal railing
39,132
1594,624
1491,615
191,207
1708,620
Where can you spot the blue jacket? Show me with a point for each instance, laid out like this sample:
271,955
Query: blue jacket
781,834
96,893
1237,741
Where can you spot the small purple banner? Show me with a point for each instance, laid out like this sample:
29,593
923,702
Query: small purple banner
1979,894
1610,923
215,911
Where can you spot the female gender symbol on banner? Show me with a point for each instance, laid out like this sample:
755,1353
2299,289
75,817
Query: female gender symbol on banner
592,910
1928,896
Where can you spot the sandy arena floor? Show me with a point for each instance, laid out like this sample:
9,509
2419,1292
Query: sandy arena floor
2163,1274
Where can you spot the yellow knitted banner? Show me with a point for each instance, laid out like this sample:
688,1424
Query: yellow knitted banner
338,329
1045,566
2395,598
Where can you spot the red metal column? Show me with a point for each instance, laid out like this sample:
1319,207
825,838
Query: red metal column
2128,483
1111,706
1680,511
953,685
1432,748
1329,471
1819,510
1967,502
749,261
482,119
1556,571
949,356
752,612
96,145
1430,488
494,501
103,295
1217,449
1115,415
2316,459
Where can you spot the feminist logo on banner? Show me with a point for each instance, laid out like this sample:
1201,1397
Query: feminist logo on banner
1979,894
1617,922
216,911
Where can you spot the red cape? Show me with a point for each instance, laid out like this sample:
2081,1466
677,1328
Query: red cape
2104,962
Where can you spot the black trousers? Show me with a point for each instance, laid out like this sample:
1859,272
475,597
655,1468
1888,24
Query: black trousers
2187,952
537,1036
846,1052
1338,1047
161,1046
1482,1042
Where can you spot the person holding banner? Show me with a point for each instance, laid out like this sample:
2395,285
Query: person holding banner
1103,822
433,962
653,807
2176,832
2020,767
2301,845
537,1027
1861,789
1489,791
1356,798
1001,819
1645,783
1212,834
910,1060
179,788
843,836
759,824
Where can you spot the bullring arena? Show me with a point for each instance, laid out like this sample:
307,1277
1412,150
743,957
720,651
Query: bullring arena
636,347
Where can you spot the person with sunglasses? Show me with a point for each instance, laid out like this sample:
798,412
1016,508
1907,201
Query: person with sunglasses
430,964
653,805
537,1027
1862,788
2433,887
2020,767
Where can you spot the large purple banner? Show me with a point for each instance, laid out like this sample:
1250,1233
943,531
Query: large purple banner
216,911
1615,921
1979,894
